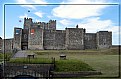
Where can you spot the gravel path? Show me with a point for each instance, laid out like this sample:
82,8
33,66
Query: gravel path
20,54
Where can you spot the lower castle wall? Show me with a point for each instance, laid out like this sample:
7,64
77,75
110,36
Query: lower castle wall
59,40
71,38
74,39
35,47
103,46
8,45
35,40
54,39
90,40
1,44
49,38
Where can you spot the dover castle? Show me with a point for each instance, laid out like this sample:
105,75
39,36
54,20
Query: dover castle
44,36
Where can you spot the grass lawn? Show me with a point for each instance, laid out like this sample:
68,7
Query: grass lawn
30,61
106,61
107,64
72,65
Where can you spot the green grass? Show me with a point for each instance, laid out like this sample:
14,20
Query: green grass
7,56
30,61
107,64
106,61
71,65
61,65
111,51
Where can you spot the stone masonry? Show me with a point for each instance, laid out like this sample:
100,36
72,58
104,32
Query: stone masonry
44,36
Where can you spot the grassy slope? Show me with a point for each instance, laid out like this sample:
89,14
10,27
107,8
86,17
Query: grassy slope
72,65
106,61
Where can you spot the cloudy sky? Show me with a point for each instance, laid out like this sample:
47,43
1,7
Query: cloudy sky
91,17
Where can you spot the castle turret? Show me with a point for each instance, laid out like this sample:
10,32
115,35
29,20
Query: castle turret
27,23
52,25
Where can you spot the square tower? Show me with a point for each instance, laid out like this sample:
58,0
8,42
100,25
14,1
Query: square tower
75,38
104,39
17,38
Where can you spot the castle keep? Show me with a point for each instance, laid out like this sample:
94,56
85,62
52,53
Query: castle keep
44,36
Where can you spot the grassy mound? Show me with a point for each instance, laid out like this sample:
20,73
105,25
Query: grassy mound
72,65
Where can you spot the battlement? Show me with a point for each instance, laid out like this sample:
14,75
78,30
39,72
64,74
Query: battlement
52,20
27,18
36,22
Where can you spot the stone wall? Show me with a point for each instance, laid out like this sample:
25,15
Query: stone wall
8,45
104,39
60,39
17,38
35,38
54,39
1,44
49,38
75,38
90,41
45,36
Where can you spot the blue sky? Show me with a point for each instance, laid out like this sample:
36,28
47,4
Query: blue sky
92,17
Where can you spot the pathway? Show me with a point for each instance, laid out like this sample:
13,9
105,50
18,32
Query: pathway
20,54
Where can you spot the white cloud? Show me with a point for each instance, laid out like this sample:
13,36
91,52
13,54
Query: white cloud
95,24
39,1
39,14
114,29
50,17
92,25
25,2
23,16
65,22
79,11
30,2
85,1
37,20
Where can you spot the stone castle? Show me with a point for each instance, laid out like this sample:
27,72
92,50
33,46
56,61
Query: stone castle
44,36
